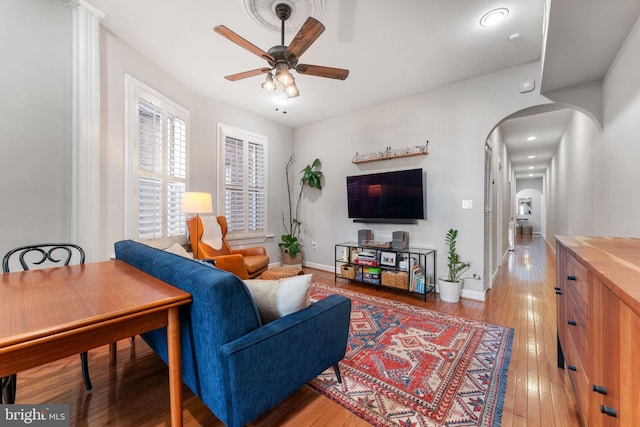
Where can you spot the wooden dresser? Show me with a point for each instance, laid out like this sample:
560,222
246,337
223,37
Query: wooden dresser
598,288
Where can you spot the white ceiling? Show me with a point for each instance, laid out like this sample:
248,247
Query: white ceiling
392,49
547,128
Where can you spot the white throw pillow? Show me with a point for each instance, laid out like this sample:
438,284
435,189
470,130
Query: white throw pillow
277,298
177,249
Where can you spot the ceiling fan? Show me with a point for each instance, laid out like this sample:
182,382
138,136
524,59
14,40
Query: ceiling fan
283,58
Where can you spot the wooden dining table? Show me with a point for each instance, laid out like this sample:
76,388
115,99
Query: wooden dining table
53,313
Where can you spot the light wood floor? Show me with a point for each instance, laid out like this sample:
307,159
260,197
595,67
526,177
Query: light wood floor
135,391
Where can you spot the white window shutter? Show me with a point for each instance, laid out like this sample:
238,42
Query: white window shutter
159,162
244,182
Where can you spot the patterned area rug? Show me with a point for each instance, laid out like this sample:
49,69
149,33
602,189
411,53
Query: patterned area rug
409,366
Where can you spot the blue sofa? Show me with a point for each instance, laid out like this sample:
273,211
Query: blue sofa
238,367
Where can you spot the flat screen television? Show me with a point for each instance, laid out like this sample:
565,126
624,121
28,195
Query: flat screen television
390,197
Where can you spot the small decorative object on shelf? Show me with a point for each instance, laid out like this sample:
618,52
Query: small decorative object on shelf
376,244
410,269
391,153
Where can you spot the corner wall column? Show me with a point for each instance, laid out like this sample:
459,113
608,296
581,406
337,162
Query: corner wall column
85,128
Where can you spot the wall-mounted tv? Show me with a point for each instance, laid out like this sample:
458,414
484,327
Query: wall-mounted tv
391,197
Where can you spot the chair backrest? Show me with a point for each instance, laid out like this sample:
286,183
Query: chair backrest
207,250
43,255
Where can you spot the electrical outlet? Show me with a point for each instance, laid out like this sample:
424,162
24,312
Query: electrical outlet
314,244
467,204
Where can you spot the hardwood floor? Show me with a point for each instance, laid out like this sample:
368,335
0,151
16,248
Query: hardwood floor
135,391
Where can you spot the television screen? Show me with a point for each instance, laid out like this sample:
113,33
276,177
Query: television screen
394,197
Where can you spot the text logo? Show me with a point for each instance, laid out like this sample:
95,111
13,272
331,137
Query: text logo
34,415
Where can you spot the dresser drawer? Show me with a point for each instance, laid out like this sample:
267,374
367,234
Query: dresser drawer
579,377
576,286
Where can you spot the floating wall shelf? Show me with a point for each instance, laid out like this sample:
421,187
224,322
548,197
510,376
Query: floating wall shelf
390,153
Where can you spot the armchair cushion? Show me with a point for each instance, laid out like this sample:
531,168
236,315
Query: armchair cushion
278,298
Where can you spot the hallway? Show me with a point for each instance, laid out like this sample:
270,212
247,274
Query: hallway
523,297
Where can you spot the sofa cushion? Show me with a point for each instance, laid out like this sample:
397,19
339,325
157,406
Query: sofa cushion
277,298
178,249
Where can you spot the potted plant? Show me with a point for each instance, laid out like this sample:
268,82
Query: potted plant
311,176
451,286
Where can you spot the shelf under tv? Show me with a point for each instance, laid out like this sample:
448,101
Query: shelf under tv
385,220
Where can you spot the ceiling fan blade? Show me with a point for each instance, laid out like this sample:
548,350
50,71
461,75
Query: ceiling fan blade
245,74
317,70
228,34
309,32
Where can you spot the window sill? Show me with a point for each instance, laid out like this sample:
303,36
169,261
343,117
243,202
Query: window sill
244,241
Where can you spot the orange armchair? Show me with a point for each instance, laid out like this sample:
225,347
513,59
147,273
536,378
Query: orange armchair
247,263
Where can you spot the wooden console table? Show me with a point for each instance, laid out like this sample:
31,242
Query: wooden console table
54,313
598,307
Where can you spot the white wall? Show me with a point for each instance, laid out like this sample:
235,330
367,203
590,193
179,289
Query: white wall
456,119
570,178
617,155
35,121
119,58
591,181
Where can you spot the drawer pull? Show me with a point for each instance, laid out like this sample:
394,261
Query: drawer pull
599,389
572,322
572,368
557,288
558,292
571,278
608,411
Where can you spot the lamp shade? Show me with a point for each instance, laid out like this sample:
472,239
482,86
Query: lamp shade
196,202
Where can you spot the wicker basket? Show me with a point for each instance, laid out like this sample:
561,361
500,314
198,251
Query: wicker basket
347,271
399,279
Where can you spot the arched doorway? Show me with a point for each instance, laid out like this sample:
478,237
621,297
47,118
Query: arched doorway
521,147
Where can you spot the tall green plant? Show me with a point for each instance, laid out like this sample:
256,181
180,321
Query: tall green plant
455,266
311,177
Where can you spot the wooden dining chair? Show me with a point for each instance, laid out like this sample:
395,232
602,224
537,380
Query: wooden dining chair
41,256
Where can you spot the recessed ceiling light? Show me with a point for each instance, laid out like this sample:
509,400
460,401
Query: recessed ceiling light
530,167
530,174
531,138
494,17
531,157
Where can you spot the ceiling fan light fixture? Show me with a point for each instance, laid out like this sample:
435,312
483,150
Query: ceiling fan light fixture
282,73
291,90
269,85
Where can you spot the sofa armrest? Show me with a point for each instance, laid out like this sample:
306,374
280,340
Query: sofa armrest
232,263
266,365
257,250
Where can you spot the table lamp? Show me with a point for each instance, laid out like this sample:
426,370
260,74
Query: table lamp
197,203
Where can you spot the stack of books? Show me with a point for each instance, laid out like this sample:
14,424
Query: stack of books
366,258
417,279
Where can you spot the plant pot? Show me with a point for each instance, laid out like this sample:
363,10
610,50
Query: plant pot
450,291
289,260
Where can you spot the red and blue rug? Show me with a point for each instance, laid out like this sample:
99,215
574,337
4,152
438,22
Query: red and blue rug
409,366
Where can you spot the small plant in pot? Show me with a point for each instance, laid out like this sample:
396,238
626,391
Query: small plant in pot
451,286
311,177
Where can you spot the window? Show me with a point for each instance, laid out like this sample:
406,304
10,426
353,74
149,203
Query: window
242,183
157,142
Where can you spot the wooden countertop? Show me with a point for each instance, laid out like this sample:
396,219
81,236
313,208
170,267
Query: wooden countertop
615,261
